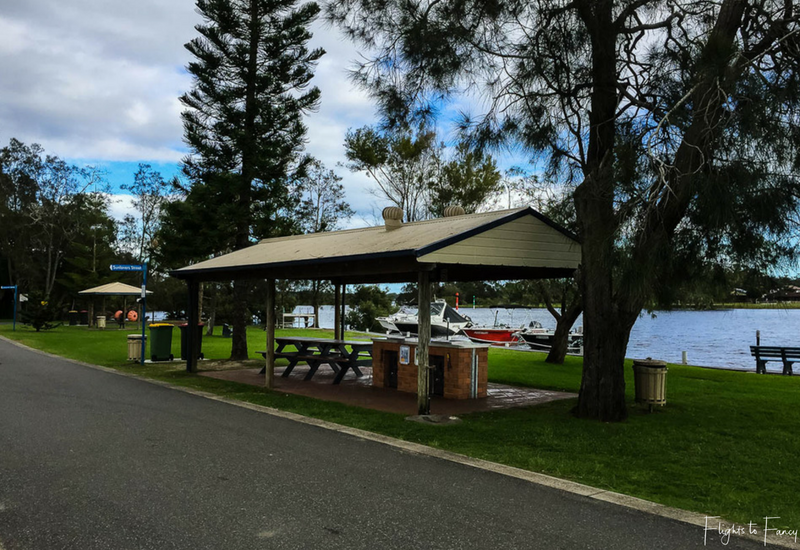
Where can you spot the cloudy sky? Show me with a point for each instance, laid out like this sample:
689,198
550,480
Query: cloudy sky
98,81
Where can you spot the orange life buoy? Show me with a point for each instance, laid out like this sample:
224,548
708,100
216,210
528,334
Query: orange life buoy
118,315
132,316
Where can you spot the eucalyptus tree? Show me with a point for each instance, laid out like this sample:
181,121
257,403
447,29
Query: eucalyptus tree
676,121
404,165
244,120
150,192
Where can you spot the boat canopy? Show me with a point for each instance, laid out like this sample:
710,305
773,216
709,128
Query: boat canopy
452,316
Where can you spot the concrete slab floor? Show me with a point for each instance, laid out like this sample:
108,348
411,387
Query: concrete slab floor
360,392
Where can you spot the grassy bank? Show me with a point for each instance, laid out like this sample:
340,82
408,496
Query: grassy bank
727,443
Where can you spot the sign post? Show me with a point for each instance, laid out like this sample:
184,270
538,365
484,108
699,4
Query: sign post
144,306
14,322
143,269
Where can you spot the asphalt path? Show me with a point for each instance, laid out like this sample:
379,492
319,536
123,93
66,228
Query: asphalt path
94,460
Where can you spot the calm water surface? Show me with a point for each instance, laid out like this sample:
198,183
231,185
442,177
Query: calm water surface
710,338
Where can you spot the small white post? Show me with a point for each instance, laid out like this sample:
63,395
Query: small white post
683,358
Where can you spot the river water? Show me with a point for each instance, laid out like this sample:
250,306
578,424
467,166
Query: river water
719,338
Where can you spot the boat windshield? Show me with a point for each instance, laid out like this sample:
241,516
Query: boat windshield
453,316
436,309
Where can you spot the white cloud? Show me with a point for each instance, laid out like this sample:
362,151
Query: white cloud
119,205
99,81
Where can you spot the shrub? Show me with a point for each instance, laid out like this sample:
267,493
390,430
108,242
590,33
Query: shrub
40,313
367,303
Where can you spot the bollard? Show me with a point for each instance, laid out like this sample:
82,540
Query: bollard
758,337
684,360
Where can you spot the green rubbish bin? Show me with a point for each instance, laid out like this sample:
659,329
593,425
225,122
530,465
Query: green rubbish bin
161,342
198,340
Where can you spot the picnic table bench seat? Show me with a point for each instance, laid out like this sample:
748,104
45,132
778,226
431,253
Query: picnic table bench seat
321,351
763,354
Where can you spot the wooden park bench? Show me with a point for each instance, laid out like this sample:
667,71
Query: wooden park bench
763,354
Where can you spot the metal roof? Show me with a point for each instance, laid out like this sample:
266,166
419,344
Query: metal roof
451,246
114,289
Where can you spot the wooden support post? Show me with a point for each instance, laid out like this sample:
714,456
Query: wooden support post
342,316
269,357
191,334
424,327
91,312
337,311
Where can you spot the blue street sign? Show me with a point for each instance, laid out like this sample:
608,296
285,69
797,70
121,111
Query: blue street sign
8,288
127,267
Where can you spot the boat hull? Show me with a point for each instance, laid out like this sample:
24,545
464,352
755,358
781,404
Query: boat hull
543,341
496,336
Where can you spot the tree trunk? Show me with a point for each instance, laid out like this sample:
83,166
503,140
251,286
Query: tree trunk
558,351
602,394
239,339
200,303
212,314
243,222
315,285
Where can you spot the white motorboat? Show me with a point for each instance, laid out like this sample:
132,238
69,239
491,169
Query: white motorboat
445,321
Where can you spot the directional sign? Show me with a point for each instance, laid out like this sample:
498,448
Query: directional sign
8,288
126,267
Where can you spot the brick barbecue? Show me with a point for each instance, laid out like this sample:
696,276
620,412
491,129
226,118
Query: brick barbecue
459,369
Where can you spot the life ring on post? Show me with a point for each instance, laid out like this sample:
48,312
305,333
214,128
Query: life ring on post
132,316
118,315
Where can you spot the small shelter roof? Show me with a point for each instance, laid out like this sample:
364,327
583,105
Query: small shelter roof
507,244
113,289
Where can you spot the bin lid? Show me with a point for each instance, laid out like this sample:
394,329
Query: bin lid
649,362
135,337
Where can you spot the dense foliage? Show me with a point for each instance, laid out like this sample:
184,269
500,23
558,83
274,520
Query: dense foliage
366,303
673,121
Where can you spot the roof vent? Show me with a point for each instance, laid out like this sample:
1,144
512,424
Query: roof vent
393,216
451,211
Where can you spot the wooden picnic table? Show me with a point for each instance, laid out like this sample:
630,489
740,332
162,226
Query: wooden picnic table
318,351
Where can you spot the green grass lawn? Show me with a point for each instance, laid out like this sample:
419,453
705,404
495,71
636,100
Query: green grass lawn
727,443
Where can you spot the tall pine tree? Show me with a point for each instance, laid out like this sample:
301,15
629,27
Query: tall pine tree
244,123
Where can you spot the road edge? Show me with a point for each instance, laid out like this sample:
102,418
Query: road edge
572,487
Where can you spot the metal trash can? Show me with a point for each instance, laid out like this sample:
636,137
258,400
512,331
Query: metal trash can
135,347
185,343
161,342
74,316
84,317
101,321
650,381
